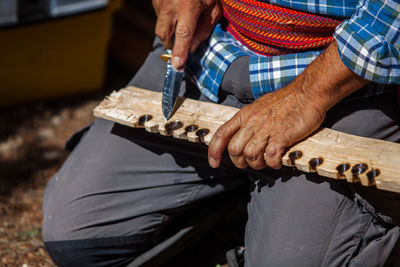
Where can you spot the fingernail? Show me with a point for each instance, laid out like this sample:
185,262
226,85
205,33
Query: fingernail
212,162
177,63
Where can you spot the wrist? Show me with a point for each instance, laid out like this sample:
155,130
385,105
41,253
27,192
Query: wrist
327,81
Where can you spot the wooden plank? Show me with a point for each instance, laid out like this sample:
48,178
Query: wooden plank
330,153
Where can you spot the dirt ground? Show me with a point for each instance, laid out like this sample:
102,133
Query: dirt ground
32,141
32,138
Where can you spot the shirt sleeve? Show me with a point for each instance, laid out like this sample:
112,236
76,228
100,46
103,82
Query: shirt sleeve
369,42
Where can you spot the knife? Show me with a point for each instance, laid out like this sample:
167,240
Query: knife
172,84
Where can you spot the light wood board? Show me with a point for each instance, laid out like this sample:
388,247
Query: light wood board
330,153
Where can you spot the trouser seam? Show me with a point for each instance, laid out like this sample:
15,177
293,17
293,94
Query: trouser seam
193,194
360,238
325,245
357,237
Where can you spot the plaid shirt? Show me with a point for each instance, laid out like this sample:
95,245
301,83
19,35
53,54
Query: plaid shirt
368,43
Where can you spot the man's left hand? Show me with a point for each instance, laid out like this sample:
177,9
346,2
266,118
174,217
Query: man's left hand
259,133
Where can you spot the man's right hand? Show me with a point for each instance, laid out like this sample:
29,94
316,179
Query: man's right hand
189,21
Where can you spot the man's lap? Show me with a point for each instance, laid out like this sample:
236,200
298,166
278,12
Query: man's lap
120,182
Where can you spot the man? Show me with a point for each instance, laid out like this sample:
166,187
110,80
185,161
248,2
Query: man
125,195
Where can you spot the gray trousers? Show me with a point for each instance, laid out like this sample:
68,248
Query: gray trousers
125,195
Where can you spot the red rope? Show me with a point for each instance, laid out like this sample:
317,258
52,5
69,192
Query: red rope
273,30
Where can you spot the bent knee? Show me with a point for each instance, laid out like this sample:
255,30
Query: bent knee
112,251
79,232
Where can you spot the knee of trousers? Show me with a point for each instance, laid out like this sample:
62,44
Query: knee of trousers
68,245
77,235
92,251
112,251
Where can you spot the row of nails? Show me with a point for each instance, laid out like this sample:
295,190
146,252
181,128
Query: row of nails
293,156
357,169
174,125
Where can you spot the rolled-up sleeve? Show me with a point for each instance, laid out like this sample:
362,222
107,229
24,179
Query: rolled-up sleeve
369,41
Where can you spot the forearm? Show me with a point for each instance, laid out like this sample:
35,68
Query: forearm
327,80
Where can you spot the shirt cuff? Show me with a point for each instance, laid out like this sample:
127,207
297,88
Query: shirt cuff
369,42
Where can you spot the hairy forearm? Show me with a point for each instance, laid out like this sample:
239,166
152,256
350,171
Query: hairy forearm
327,80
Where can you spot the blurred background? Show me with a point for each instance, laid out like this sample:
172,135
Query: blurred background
58,60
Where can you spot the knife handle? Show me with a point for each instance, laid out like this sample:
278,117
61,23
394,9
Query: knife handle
166,57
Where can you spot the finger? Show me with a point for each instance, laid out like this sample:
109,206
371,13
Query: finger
184,31
254,151
221,139
156,6
205,25
273,153
165,27
237,145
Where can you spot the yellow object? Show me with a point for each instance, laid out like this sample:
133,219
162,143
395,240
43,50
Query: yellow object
55,58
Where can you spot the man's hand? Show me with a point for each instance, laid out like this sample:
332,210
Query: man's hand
189,21
259,133
269,125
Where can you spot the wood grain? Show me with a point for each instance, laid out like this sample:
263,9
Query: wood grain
330,153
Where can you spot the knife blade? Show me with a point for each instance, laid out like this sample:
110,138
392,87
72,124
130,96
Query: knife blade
172,84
